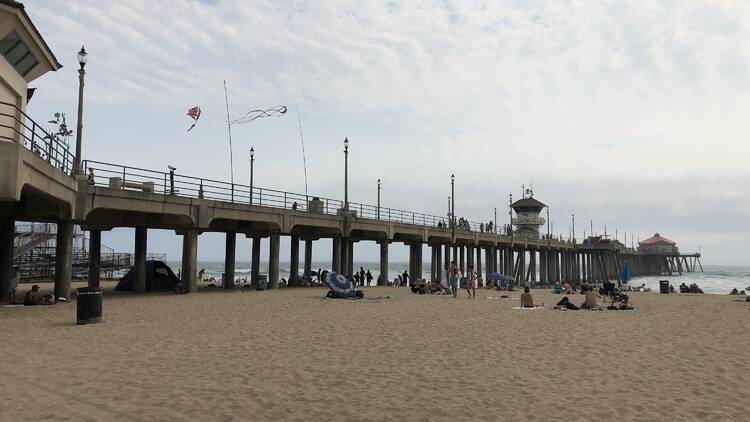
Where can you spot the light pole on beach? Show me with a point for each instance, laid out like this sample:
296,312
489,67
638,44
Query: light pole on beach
453,205
346,173
82,57
252,164
378,199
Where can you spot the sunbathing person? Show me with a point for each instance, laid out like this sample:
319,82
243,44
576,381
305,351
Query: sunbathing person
734,292
526,300
565,303
592,299
436,288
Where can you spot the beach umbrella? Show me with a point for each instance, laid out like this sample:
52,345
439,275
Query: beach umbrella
626,272
338,283
495,276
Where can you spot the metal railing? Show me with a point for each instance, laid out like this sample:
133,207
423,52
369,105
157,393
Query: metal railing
16,126
152,181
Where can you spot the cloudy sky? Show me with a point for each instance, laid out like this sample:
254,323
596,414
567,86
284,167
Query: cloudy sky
633,114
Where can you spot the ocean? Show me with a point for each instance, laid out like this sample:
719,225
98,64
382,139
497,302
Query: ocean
718,279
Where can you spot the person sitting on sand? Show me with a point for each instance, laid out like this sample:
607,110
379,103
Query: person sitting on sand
480,282
436,288
31,298
565,303
526,300
734,292
592,299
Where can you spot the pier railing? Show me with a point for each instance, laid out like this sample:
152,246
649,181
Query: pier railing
16,126
173,183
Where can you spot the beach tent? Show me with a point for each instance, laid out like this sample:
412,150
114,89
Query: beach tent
158,277
341,287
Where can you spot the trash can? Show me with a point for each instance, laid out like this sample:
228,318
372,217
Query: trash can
89,305
664,287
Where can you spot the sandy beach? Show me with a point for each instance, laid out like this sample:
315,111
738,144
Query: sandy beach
290,354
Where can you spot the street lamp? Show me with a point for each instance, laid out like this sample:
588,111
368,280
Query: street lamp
453,204
573,215
252,164
82,57
378,199
346,173
510,215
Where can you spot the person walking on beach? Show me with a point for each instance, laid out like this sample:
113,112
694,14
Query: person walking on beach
319,279
362,276
368,277
405,278
471,283
453,278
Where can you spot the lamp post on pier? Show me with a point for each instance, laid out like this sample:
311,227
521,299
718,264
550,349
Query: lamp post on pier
82,58
252,164
495,224
453,205
573,216
346,173
378,199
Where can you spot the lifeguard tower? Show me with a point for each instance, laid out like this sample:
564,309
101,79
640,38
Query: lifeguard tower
527,221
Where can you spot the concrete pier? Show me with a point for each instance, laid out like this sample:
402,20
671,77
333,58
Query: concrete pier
190,261
139,281
7,232
273,261
63,259
349,257
336,255
383,276
479,261
229,259
308,260
294,262
95,256
462,259
255,263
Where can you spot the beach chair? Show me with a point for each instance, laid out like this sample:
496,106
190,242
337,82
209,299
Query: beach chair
557,288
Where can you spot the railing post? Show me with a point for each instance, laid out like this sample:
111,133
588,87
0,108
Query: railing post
260,196
165,183
123,177
389,214
360,210
284,200
413,221
232,193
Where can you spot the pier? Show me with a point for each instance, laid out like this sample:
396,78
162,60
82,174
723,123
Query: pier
44,180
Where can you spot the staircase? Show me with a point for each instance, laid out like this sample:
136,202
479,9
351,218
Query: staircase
29,236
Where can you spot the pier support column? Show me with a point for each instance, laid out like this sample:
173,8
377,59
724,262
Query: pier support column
532,266
433,262
523,273
95,256
308,261
543,267
190,261
439,262
336,255
294,262
488,261
479,261
447,262
273,261
350,256
455,256
139,281
383,277
462,259
255,263
63,259
7,233
230,249
470,259
418,248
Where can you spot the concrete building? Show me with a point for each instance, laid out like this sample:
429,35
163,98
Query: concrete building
658,244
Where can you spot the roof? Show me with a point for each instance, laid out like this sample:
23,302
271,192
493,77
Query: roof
18,5
527,202
657,239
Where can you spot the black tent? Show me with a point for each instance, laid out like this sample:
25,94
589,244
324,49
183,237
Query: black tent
158,277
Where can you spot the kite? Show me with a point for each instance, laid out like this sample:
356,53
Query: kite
257,114
195,114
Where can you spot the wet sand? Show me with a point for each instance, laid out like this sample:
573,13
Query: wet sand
290,354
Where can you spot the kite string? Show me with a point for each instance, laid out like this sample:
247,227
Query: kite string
229,129
304,160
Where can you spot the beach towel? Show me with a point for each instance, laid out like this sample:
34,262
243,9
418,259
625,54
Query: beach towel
528,309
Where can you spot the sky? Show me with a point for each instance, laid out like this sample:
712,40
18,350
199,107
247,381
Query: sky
629,114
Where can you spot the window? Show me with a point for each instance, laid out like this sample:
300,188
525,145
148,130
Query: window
17,53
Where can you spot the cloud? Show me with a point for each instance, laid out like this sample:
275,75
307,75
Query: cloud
617,100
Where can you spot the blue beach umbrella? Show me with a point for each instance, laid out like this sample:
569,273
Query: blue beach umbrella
496,276
626,272
338,283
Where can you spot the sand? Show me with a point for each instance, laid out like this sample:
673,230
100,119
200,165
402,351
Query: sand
292,355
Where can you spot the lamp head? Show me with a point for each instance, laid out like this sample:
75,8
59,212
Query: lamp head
252,152
172,168
82,57
453,178
378,182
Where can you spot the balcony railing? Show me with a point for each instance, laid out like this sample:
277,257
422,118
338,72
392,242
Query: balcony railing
16,126
539,221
